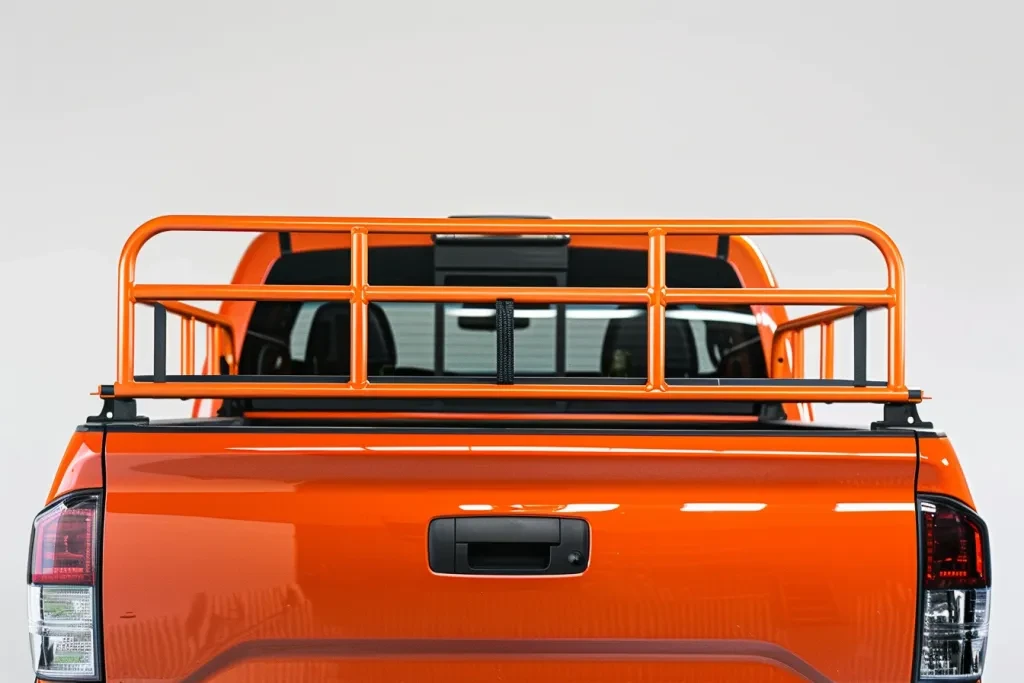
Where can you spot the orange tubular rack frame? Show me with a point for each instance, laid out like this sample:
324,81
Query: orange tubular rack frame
656,296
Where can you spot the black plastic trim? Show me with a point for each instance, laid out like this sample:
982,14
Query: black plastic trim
860,347
560,335
439,346
723,247
117,410
441,545
574,417
100,540
504,406
918,621
284,241
513,529
764,382
567,652
901,416
159,342
566,426
548,546
504,323
509,256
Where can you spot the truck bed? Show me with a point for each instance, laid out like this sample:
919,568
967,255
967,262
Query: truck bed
298,552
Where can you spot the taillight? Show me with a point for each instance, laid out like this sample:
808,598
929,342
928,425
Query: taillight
956,580
62,575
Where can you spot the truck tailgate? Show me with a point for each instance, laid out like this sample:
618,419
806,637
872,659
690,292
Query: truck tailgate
245,554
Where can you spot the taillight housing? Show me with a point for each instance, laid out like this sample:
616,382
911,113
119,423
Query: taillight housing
62,592
956,582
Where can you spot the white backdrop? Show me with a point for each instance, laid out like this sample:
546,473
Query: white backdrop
906,114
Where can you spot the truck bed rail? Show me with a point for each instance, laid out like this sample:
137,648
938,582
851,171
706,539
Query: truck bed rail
656,296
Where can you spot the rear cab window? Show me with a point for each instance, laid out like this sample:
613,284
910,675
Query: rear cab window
460,341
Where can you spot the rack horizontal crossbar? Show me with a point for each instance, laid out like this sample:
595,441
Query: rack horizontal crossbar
567,295
761,392
385,380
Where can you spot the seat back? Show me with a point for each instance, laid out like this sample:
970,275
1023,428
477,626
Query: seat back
624,352
328,349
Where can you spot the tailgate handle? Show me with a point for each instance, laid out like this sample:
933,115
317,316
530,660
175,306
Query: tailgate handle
509,546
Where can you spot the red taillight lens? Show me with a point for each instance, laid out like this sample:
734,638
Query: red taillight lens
63,624
954,547
956,598
64,544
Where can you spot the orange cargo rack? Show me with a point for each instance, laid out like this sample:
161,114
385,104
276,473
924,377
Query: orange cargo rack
656,296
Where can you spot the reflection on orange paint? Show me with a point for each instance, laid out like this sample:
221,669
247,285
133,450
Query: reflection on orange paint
306,538
81,467
941,472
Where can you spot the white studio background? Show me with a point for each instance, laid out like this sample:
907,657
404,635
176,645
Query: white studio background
907,114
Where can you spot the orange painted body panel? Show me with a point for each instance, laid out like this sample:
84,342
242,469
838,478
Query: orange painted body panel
244,555
81,467
941,472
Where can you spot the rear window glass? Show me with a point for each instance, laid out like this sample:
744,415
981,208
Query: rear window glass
418,339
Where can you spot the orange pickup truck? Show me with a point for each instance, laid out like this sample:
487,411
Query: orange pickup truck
507,448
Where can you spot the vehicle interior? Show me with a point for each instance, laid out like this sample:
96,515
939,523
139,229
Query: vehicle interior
427,340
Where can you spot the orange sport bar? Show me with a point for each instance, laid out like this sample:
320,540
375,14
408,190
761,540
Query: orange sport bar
188,346
828,344
563,392
656,296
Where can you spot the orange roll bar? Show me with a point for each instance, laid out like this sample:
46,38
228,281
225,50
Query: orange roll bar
828,343
212,351
360,283
656,291
780,394
145,293
188,346
656,296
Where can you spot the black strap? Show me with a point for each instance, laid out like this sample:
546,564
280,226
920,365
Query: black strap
723,247
860,347
439,339
505,324
159,343
560,340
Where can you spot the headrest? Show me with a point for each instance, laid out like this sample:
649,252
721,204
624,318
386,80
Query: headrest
329,346
624,352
